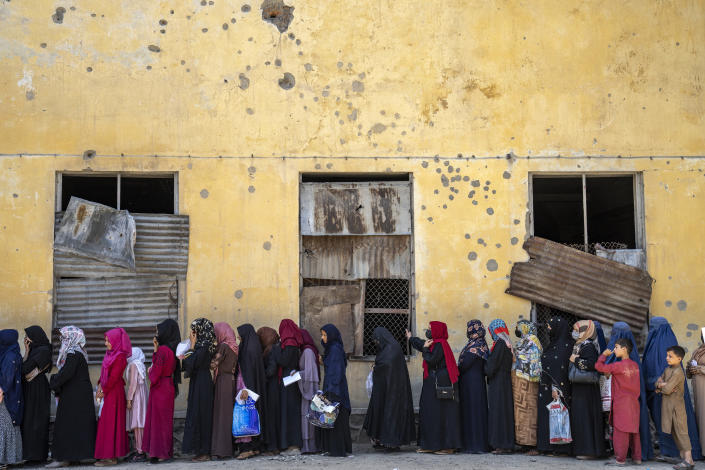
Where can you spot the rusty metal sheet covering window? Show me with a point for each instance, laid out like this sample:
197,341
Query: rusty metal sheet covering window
99,232
350,258
161,248
583,284
377,208
331,304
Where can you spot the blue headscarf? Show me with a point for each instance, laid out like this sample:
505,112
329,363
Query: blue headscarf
621,330
661,337
600,337
11,374
335,362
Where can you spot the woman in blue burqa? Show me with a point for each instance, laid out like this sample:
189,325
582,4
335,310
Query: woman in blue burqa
661,337
622,330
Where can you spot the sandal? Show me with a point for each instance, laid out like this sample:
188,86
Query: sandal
445,452
424,451
201,458
246,455
683,466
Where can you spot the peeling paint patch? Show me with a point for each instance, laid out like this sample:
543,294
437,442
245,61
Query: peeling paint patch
277,13
308,67
378,128
287,82
358,86
692,326
26,83
204,193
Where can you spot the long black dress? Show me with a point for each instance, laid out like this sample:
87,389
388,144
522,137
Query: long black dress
272,418
251,366
37,397
439,419
390,413
554,367
75,425
500,400
473,402
290,400
586,416
198,427
336,442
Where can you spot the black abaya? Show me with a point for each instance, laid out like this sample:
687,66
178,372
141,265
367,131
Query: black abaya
586,416
500,400
473,402
75,425
289,399
390,413
554,367
198,427
272,418
37,397
251,365
439,419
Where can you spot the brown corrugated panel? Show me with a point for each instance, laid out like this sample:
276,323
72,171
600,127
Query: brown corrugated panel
368,257
381,208
582,284
331,304
161,248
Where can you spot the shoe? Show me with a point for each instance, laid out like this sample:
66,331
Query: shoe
683,466
106,463
616,463
137,457
445,452
201,458
585,457
57,464
424,451
246,455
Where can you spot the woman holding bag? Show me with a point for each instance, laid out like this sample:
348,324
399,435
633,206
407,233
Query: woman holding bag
335,442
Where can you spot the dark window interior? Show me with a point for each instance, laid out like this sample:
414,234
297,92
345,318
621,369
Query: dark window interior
558,209
148,195
610,210
100,189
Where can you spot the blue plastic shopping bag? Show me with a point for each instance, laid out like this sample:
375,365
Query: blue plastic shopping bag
245,419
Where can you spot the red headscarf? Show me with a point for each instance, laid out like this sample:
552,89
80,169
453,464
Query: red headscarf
308,343
120,343
439,333
289,334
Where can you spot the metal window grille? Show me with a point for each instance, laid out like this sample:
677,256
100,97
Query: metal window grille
387,304
543,314
591,246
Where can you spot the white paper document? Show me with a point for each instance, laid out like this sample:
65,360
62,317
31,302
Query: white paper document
290,379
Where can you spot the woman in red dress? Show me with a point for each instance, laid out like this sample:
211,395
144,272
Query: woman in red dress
164,377
112,441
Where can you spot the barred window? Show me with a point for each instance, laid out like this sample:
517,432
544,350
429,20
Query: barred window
387,305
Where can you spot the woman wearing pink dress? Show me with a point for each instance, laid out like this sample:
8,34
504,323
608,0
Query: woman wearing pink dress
112,441
137,400
164,376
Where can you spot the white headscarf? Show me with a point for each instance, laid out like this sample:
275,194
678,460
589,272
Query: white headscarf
72,341
138,359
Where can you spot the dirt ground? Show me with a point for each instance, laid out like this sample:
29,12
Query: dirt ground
366,458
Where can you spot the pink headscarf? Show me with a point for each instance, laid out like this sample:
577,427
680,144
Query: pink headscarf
224,334
120,342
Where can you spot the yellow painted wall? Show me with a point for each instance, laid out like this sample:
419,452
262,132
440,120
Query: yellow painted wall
380,86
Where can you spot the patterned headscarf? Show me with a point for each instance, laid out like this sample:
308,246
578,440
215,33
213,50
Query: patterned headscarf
586,328
72,341
498,330
138,359
205,334
476,340
528,352
120,346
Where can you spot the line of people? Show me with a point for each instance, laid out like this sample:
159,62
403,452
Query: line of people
494,398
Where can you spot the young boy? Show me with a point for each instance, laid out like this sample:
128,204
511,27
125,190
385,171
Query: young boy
673,417
626,388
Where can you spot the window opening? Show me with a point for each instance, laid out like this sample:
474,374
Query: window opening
147,195
386,305
100,189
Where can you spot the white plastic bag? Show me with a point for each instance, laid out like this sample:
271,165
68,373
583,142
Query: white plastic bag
368,384
606,392
559,422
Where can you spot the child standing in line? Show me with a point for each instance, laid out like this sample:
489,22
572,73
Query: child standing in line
137,400
625,401
673,418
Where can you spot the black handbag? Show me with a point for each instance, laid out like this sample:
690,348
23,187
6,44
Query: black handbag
578,376
445,393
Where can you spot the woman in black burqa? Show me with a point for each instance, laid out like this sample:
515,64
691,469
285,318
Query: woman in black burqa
251,366
390,419
554,367
37,395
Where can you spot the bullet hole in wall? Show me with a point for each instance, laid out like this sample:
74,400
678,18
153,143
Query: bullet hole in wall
287,82
277,13
58,16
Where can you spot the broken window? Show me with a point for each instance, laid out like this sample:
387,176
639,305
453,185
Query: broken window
356,256
94,288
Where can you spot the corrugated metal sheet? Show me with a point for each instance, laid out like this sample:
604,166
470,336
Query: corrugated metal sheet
636,258
331,304
161,247
98,232
110,302
140,337
582,284
355,208
349,257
